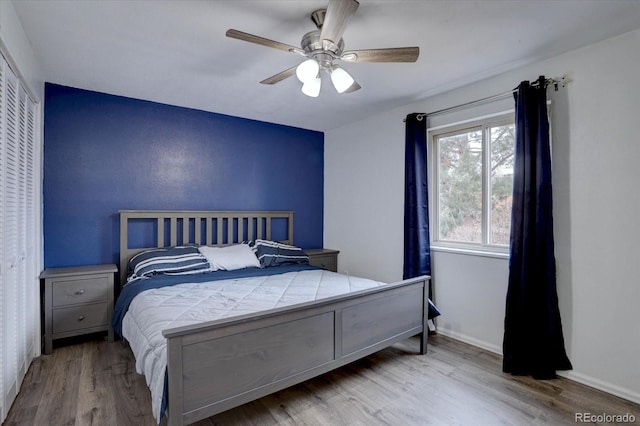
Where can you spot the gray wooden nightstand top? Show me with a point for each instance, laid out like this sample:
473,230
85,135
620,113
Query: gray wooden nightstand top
321,251
78,270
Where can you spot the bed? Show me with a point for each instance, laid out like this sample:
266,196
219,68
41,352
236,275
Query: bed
279,325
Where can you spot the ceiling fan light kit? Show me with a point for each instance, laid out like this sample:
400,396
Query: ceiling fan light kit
312,87
341,79
307,70
308,73
325,45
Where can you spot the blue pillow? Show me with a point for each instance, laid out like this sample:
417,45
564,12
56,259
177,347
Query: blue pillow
179,260
271,253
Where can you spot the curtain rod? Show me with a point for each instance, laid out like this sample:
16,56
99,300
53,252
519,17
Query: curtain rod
562,81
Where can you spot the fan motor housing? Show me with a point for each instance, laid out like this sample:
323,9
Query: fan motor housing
311,43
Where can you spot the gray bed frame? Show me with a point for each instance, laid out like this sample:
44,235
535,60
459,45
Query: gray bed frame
218,365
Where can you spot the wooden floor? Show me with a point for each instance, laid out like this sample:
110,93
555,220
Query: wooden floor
95,383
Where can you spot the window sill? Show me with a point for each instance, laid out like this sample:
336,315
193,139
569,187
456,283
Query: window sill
471,251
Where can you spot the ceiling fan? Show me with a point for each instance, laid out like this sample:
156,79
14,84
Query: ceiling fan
323,46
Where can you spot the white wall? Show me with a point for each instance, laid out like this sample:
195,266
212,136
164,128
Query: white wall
596,151
15,41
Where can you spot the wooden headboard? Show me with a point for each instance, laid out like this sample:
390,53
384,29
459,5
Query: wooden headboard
211,228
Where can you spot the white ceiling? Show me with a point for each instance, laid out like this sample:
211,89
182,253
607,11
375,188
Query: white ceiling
176,52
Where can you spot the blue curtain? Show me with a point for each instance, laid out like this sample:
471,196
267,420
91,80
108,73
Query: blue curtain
533,341
417,253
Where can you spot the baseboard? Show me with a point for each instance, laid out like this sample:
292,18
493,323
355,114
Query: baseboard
470,340
618,391
578,377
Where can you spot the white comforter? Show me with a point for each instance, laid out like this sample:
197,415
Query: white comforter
159,309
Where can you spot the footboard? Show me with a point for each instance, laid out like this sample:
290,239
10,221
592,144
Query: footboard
215,366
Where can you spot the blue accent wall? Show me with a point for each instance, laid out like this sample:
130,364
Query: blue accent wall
104,153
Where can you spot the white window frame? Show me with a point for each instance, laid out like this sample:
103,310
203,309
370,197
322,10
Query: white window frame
484,248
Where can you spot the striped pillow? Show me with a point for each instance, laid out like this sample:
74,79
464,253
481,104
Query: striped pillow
179,260
271,253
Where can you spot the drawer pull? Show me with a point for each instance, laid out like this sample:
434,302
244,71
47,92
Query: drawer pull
79,292
81,317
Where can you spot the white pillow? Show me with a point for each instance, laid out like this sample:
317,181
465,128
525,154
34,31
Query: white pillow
229,258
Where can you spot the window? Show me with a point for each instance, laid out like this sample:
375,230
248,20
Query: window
473,174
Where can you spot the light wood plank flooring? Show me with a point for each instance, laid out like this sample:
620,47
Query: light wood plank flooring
95,383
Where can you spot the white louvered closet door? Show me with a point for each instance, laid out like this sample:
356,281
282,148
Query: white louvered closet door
19,230
3,296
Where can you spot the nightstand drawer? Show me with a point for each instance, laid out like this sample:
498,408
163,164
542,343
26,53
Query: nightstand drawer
79,317
84,290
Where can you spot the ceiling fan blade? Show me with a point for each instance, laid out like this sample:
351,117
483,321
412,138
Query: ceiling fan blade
394,54
355,86
339,12
280,76
260,40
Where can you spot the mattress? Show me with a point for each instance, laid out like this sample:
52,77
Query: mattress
190,303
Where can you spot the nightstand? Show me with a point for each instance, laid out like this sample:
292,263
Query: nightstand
77,300
324,258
